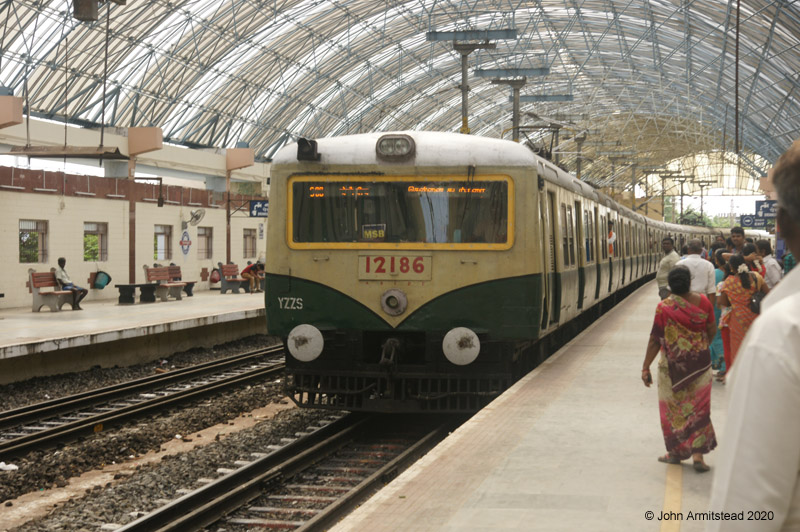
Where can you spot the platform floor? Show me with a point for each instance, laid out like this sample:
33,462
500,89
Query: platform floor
572,446
23,333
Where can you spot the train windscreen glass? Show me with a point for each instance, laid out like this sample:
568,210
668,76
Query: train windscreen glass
430,212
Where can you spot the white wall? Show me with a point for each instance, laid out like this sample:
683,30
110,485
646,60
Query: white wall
66,216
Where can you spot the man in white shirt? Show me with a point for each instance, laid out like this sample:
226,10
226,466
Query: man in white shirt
66,283
759,453
774,270
702,271
664,267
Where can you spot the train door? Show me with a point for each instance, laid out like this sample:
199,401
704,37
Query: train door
581,254
629,250
638,249
623,240
599,273
609,252
547,235
555,285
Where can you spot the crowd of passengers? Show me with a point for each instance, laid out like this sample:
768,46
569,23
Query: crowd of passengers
734,308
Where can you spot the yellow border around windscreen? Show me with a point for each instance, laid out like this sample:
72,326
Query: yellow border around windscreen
397,245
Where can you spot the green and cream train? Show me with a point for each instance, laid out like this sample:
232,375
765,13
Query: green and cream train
423,271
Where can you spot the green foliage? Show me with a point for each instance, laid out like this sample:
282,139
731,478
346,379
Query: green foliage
91,247
723,221
692,217
28,247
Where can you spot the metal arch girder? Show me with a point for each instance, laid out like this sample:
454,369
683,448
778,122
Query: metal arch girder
767,47
342,101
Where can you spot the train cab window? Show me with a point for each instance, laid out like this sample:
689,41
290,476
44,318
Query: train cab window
404,211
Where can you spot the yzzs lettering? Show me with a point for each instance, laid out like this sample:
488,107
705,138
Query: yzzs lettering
290,303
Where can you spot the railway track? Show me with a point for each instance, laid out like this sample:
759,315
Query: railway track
307,484
51,422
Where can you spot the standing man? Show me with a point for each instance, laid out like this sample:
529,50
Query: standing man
702,271
737,237
63,279
773,269
667,263
760,451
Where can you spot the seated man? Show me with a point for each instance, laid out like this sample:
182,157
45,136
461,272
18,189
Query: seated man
63,279
253,274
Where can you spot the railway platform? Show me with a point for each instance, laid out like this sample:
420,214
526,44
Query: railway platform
571,446
106,333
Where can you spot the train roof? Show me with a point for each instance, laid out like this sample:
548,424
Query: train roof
432,149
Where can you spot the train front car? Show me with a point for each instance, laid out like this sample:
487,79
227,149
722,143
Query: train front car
402,269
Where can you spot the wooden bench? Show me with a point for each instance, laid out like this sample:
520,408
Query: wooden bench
229,279
176,276
55,298
164,287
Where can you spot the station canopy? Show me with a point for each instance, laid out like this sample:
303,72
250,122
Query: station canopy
650,84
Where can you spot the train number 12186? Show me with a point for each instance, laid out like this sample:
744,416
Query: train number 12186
399,267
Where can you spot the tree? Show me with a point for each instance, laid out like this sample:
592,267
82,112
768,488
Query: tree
692,217
28,247
91,247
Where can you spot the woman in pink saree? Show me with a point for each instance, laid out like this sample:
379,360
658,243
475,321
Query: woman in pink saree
682,329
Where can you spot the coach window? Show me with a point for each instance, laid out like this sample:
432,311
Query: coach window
571,234
95,241
619,230
588,235
249,245
604,229
32,241
162,242
205,242
628,239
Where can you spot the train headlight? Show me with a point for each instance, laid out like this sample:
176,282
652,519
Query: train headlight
305,342
461,346
394,302
395,147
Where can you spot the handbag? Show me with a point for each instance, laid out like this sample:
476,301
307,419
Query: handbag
755,300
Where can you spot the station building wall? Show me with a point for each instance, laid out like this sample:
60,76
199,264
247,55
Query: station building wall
67,203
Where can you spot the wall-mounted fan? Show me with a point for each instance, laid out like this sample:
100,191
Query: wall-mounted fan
194,217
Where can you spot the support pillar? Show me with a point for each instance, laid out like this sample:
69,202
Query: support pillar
465,50
131,220
140,140
227,217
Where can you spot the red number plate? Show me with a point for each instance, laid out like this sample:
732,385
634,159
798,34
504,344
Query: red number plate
394,267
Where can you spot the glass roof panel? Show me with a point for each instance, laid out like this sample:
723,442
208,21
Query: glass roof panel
655,77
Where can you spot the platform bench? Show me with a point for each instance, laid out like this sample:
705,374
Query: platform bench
55,298
165,287
229,279
127,293
176,276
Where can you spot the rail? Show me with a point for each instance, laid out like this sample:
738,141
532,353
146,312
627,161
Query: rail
63,418
236,489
